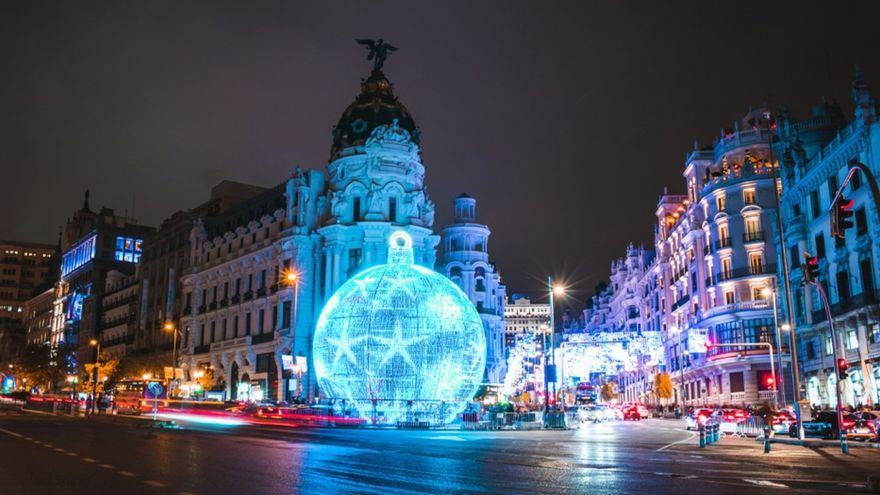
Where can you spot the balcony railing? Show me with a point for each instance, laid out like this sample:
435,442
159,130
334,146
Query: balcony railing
753,236
745,272
262,337
248,295
845,306
724,242
684,299
261,292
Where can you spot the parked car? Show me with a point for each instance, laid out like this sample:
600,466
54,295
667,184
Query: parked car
825,426
697,418
635,412
782,421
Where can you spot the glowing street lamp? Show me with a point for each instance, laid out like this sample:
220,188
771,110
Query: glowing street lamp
169,327
97,345
768,293
558,290
147,376
291,278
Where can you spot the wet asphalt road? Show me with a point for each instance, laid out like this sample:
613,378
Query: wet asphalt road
54,455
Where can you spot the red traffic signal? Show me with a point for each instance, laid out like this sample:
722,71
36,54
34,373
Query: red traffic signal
769,381
841,216
811,268
842,368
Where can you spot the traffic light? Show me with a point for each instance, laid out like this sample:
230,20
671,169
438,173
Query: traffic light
811,268
842,368
841,217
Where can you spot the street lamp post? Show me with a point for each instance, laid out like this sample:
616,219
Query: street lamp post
97,344
169,327
559,291
770,293
789,307
291,278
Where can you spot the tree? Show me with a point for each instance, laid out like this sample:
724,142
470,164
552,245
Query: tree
609,391
45,366
106,368
663,386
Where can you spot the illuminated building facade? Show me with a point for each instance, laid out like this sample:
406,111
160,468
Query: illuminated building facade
716,257
319,229
466,262
24,267
119,313
815,153
522,316
93,244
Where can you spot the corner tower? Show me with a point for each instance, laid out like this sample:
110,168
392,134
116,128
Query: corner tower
466,262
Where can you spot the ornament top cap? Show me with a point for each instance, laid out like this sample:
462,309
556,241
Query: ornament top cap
400,248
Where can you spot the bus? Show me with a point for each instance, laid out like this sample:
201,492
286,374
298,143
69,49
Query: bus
134,395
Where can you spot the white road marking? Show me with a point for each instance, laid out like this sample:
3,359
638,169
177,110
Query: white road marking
107,466
450,438
73,454
125,473
58,449
765,483
89,459
692,435
154,483
17,435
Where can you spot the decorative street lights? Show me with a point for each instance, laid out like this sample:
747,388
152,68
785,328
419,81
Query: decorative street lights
550,366
97,344
291,278
169,327
769,293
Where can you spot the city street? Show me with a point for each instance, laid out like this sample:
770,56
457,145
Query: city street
46,454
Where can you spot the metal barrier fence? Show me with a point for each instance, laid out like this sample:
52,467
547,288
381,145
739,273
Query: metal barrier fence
753,426
531,420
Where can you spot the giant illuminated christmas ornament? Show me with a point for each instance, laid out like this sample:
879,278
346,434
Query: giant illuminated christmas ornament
399,342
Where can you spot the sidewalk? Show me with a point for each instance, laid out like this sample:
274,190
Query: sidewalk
819,443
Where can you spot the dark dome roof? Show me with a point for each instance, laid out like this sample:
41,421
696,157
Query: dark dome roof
375,106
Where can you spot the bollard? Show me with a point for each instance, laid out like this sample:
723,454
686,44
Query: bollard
766,439
715,433
844,447
702,437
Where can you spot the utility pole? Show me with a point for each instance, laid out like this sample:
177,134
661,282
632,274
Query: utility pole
770,127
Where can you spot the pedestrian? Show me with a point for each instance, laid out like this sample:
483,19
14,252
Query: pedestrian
102,404
89,404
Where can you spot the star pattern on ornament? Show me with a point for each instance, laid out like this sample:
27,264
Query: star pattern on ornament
397,344
364,285
344,344
402,284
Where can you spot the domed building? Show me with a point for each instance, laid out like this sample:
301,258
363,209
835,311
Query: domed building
400,343
263,271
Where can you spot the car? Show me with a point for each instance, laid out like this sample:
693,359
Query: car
825,426
782,421
697,418
635,412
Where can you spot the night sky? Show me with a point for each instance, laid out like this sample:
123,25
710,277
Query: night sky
564,120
